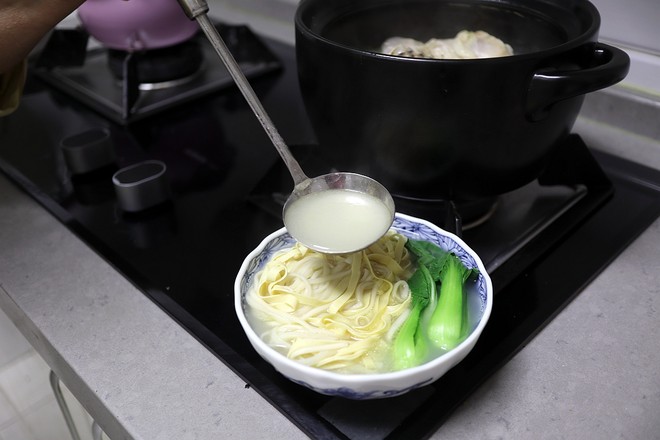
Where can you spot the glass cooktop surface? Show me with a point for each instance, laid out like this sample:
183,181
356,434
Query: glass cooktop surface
227,184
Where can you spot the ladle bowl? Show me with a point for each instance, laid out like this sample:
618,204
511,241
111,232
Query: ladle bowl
338,212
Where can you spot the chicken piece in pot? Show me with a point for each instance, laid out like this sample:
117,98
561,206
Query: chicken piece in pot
465,45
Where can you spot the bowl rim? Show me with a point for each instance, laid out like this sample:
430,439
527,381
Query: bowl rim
348,379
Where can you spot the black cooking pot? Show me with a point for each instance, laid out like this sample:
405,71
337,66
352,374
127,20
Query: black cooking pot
449,129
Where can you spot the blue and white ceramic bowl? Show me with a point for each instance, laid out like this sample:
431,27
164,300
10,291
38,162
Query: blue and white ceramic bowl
369,386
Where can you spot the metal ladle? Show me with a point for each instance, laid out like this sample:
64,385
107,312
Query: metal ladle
303,185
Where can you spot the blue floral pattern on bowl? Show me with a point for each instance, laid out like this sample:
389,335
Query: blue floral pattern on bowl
352,394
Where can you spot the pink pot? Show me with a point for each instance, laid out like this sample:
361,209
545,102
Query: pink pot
135,25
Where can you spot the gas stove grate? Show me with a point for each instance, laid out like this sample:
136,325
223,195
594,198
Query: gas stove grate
111,86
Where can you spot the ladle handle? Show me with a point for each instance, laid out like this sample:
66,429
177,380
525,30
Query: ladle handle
197,10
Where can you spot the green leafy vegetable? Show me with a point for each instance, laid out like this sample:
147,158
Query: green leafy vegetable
429,255
447,326
408,348
439,309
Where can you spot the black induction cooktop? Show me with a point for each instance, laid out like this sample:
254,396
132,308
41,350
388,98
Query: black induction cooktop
542,243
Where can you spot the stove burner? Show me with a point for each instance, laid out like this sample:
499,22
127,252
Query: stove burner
127,87
485,215
455,217
158,66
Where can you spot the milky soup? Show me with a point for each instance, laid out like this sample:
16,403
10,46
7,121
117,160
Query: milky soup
338,220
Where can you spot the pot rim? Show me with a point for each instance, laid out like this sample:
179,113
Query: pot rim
303,29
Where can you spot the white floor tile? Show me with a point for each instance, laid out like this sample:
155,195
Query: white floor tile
12,343
46,422
25,381
28,409
17,431
7,412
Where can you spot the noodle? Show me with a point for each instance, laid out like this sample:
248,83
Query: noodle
337,312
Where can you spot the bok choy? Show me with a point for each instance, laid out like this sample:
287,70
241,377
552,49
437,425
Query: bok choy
409,346
439,305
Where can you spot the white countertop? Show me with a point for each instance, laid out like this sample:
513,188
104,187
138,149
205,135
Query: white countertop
593,372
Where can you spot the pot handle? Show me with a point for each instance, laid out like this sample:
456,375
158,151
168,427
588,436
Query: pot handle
607,65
